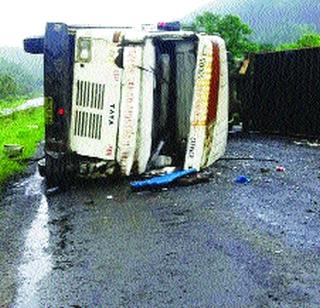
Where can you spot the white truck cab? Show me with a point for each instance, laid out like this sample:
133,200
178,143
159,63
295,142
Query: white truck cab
117,96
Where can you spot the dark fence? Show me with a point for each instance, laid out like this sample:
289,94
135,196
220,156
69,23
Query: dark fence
280,92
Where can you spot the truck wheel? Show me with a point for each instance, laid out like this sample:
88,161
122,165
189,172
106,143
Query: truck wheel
55,172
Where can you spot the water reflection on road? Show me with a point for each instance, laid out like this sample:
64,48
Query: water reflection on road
36,263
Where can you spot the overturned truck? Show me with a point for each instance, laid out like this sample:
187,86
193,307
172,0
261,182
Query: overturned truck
116,99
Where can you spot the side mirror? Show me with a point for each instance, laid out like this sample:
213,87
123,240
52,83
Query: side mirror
34,45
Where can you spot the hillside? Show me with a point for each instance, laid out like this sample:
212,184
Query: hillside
273,21
25,69
32,64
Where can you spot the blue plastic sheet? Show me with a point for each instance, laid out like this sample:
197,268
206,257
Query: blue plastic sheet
160,181
242,179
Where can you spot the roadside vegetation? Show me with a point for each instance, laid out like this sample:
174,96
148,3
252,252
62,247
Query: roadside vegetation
20,77
238,35
13,102
19,81
240,42
25,128
16,81
307,40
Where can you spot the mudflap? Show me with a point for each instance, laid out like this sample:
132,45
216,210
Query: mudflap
57,171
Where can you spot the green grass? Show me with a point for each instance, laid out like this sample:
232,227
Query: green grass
25,128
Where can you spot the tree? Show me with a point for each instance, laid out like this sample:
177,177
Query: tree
265,47
14,78
231,28
309,40
8,86
305,41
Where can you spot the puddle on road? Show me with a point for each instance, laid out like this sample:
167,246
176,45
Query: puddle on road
36,263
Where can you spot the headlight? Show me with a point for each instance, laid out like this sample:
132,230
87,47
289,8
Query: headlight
84,49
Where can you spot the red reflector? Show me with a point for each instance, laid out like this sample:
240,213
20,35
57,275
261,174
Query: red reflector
60,111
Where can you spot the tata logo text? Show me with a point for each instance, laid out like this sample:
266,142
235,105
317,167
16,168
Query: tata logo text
112,114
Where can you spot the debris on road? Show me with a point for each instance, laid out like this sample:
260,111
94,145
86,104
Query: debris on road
161,181
162,161
250,158
155,154
193,179
159,161
160,171
53,190
265,170
242,179
13,150
89,202
280,168
308,143
278,251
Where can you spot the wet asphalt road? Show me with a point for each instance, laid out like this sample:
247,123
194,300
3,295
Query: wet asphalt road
214,244
31,103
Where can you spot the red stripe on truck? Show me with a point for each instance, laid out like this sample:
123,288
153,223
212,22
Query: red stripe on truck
214,85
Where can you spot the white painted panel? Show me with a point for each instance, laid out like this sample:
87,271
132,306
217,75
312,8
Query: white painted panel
128,125
220,129
95,102
198,154
199,109
144,137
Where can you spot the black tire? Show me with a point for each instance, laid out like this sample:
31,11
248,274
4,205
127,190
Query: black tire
56,172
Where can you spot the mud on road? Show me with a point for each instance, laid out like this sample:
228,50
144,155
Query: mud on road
220,243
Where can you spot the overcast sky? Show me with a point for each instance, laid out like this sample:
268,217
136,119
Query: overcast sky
22,18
